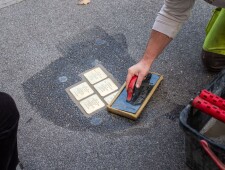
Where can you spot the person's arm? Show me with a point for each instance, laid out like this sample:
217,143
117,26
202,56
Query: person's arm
157,42
167,24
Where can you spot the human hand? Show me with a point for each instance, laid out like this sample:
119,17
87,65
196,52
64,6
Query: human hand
141,69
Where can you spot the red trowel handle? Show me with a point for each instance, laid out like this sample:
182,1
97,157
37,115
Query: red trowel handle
212,98
208,108
130,88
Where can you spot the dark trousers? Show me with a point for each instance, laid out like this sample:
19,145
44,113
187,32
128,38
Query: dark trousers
9,117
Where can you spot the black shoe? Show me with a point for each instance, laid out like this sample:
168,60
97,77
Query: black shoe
212,61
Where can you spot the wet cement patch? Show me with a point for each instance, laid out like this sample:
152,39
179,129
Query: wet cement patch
46,90
144,127
175,113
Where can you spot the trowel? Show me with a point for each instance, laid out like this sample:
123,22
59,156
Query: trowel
131,102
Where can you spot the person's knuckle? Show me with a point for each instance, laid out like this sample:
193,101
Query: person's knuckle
142,75
130,70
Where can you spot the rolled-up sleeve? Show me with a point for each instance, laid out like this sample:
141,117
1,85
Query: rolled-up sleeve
172,15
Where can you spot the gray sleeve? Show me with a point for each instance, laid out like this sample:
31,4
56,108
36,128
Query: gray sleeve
172,15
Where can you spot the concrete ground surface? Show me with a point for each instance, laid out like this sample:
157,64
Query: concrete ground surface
42,41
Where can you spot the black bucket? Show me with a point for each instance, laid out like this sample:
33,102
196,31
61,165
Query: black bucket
202,153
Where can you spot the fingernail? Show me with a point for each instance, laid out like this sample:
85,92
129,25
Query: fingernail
137,85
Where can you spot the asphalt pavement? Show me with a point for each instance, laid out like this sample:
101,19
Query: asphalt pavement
42,41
